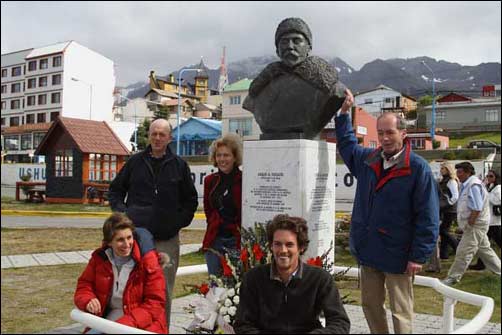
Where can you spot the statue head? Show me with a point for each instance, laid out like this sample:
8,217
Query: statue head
293,41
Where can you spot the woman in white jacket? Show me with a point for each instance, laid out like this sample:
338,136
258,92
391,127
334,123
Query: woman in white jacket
492,183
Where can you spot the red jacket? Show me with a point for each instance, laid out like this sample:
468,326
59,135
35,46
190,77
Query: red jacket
144,295
213,217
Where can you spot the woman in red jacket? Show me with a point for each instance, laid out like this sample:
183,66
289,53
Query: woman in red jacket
222,201
124,281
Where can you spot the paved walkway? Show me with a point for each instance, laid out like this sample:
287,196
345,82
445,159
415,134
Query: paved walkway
424,324
71,257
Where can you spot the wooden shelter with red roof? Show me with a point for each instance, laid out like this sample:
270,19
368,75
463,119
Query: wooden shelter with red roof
79,153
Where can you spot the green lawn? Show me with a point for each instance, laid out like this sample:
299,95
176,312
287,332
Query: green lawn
11,203
463,140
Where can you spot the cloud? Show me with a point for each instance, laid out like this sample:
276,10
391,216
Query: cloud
164,36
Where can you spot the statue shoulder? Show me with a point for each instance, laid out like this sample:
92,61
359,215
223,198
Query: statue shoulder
268,74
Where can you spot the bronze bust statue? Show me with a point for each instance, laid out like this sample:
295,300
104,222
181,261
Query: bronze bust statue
298,96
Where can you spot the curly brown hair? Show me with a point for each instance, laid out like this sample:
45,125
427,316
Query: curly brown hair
232,142
294,224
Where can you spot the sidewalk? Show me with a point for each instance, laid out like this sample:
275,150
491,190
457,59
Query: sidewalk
70,257
424,324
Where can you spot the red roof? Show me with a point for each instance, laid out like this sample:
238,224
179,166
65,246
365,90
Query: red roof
89,136
27,128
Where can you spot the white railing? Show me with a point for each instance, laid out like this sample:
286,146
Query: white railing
451,296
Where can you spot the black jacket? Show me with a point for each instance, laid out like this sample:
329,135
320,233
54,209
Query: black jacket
163,204
268,306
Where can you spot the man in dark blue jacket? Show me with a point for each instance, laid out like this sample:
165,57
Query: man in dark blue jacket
395,219
161,196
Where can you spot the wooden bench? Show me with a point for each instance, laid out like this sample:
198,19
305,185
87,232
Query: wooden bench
20,184
100,193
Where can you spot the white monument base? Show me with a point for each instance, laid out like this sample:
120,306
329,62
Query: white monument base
294,177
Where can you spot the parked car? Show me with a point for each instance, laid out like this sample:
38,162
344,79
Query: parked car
477,144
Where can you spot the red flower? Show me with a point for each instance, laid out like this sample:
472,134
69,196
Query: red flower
244,256
258,253
315,261
227,270
204,288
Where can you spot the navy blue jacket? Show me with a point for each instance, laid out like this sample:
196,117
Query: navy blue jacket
395,218
163,204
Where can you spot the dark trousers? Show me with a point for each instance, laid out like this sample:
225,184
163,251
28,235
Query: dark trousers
494,235
447,239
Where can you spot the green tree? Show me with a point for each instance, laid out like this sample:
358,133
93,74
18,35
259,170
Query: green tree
142,135
161,113
426,100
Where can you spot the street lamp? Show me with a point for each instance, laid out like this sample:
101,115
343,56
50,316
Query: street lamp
90,95
179,109
433,116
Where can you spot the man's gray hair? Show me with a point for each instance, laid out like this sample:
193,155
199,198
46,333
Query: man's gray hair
400,122
160,120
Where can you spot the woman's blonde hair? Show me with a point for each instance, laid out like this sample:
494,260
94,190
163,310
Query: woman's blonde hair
451,170
231,141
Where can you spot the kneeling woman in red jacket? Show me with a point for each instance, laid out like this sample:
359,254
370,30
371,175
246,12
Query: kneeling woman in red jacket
124,281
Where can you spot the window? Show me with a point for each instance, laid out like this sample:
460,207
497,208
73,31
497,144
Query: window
55,98
32,65
14,121
3,121
4,105
15,88
368,101
388,100
417,143
32,83
37,138
44,64
42,99
440,115
492,115
102,167
26,142
242,127
63,163
54,116
41,118
31,100
56,61
15,104
56,79
235,100
42,81
4,73
16,71
4,89
11,142
30,118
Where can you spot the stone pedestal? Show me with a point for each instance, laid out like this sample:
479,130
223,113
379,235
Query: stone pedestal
294,177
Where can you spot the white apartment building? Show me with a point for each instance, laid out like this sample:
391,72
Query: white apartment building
235,118
39,84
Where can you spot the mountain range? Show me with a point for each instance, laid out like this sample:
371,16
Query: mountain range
408,76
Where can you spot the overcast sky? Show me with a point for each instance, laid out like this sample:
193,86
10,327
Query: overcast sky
164,36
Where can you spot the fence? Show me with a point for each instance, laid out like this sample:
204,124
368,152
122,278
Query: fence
451,296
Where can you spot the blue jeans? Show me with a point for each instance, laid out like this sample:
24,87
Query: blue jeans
213,260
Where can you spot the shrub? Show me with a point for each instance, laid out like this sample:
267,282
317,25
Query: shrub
25,188
450,155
